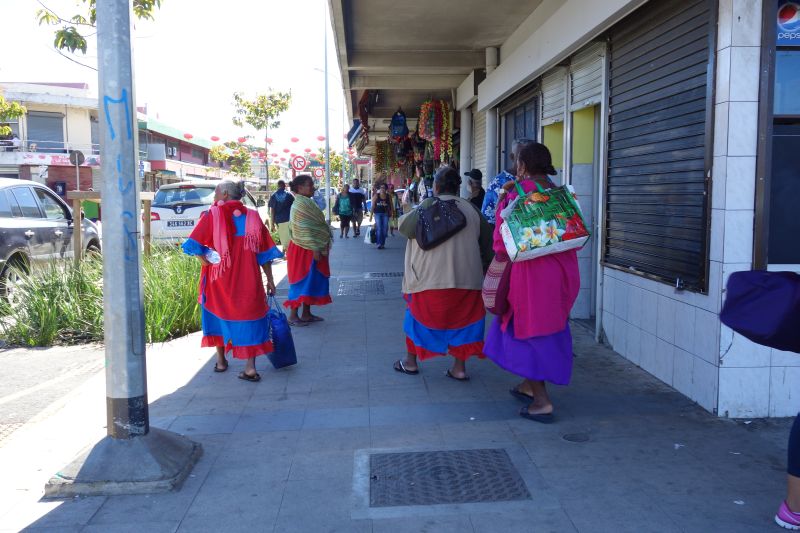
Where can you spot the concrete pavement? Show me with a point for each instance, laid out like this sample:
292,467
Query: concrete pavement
291,453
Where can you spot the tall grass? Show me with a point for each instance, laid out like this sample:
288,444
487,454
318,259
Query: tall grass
62,303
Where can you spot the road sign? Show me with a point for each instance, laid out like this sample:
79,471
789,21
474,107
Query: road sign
319,172
299,163
76,157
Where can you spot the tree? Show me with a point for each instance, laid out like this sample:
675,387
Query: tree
236,155
261,113
70,37
9,111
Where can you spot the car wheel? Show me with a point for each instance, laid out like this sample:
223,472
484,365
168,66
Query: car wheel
93,250
11,278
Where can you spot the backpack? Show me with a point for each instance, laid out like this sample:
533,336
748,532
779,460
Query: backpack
438,221
398,127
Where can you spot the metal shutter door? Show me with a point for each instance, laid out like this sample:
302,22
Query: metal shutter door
586,76
554,85
479,142
659,136
46,130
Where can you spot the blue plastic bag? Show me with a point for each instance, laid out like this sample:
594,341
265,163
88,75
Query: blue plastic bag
281,336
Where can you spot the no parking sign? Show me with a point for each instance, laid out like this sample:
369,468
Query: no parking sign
318,172
299,163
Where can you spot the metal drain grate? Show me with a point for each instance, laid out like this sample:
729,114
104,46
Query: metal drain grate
384,274
351,287
444,477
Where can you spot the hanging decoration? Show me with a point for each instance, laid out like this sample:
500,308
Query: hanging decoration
242,140
214,138
269,140
320,138
286,150
435,126
188,136
294,139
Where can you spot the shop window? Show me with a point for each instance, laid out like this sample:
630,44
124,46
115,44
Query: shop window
95,134
46,131
787,82
197,154
520,123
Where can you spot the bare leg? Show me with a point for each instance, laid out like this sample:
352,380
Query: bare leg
221,362
250,366
293,315
541,404
459,369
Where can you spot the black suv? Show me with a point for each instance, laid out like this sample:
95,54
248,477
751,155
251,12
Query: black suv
35,226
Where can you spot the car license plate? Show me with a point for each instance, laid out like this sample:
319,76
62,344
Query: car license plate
180,223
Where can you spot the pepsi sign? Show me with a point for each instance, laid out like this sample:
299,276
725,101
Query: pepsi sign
788,23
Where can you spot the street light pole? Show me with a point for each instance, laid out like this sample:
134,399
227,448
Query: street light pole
327,113
132,458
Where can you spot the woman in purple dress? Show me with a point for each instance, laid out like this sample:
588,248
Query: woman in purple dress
532,339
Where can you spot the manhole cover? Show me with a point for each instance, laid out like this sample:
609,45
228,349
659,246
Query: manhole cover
384,274
576,437
7,429
352,287
444,477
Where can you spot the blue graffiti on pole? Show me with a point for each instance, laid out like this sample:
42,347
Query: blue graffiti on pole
125,186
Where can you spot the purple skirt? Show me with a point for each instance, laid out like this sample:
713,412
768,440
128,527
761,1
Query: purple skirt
546,358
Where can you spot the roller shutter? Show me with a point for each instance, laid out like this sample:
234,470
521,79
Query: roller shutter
586,76
554,87
479,140
660,116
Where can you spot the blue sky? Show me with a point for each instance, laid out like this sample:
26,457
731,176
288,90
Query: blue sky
195,55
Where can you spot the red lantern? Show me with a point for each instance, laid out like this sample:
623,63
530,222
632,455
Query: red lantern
274,155
283,159
307,150
269,140
321,138
242,140
214,138
187,136
294,139
292,154
286,150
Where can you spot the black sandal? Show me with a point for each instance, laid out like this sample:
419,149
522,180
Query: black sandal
247,377
222,369
522,396
398,365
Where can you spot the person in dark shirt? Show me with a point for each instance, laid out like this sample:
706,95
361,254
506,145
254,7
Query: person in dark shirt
476,192
280,205
358,196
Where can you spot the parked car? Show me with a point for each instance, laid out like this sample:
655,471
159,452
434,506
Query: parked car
177,207
36,226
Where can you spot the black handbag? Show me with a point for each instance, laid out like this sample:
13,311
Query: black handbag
438,222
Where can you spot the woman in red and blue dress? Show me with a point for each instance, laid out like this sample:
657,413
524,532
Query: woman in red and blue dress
232,296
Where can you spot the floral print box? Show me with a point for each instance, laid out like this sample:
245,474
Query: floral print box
543,222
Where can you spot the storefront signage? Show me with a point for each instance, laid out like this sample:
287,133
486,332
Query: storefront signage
788,23
35,158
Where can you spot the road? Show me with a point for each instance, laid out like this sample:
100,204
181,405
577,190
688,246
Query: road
33,379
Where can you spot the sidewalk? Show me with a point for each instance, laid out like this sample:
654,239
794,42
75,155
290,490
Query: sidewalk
292,453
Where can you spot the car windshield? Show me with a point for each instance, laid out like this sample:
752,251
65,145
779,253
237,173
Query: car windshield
184,195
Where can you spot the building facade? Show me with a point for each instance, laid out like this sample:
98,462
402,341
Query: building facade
674,120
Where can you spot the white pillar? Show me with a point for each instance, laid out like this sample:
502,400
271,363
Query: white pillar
465,161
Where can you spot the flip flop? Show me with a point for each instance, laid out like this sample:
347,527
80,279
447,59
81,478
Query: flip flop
247,377
542,418
298,323
314,318
222,369
398,365
452,376
519,395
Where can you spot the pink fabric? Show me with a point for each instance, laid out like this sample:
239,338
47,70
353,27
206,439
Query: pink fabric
542,290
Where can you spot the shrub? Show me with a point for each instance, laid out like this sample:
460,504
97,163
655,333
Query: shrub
62,303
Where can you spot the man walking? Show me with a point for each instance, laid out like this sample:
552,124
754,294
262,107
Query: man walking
357,198
280,205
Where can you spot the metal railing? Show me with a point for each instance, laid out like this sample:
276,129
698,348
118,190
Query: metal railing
52,147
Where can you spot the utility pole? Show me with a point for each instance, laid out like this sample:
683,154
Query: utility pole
132,458
327,119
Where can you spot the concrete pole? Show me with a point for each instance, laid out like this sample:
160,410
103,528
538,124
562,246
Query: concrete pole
465,161
126,384
491,120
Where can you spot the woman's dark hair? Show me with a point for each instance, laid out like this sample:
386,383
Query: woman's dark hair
447,180
536,158
300,180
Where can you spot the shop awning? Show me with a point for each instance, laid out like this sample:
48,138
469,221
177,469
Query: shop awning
354,132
